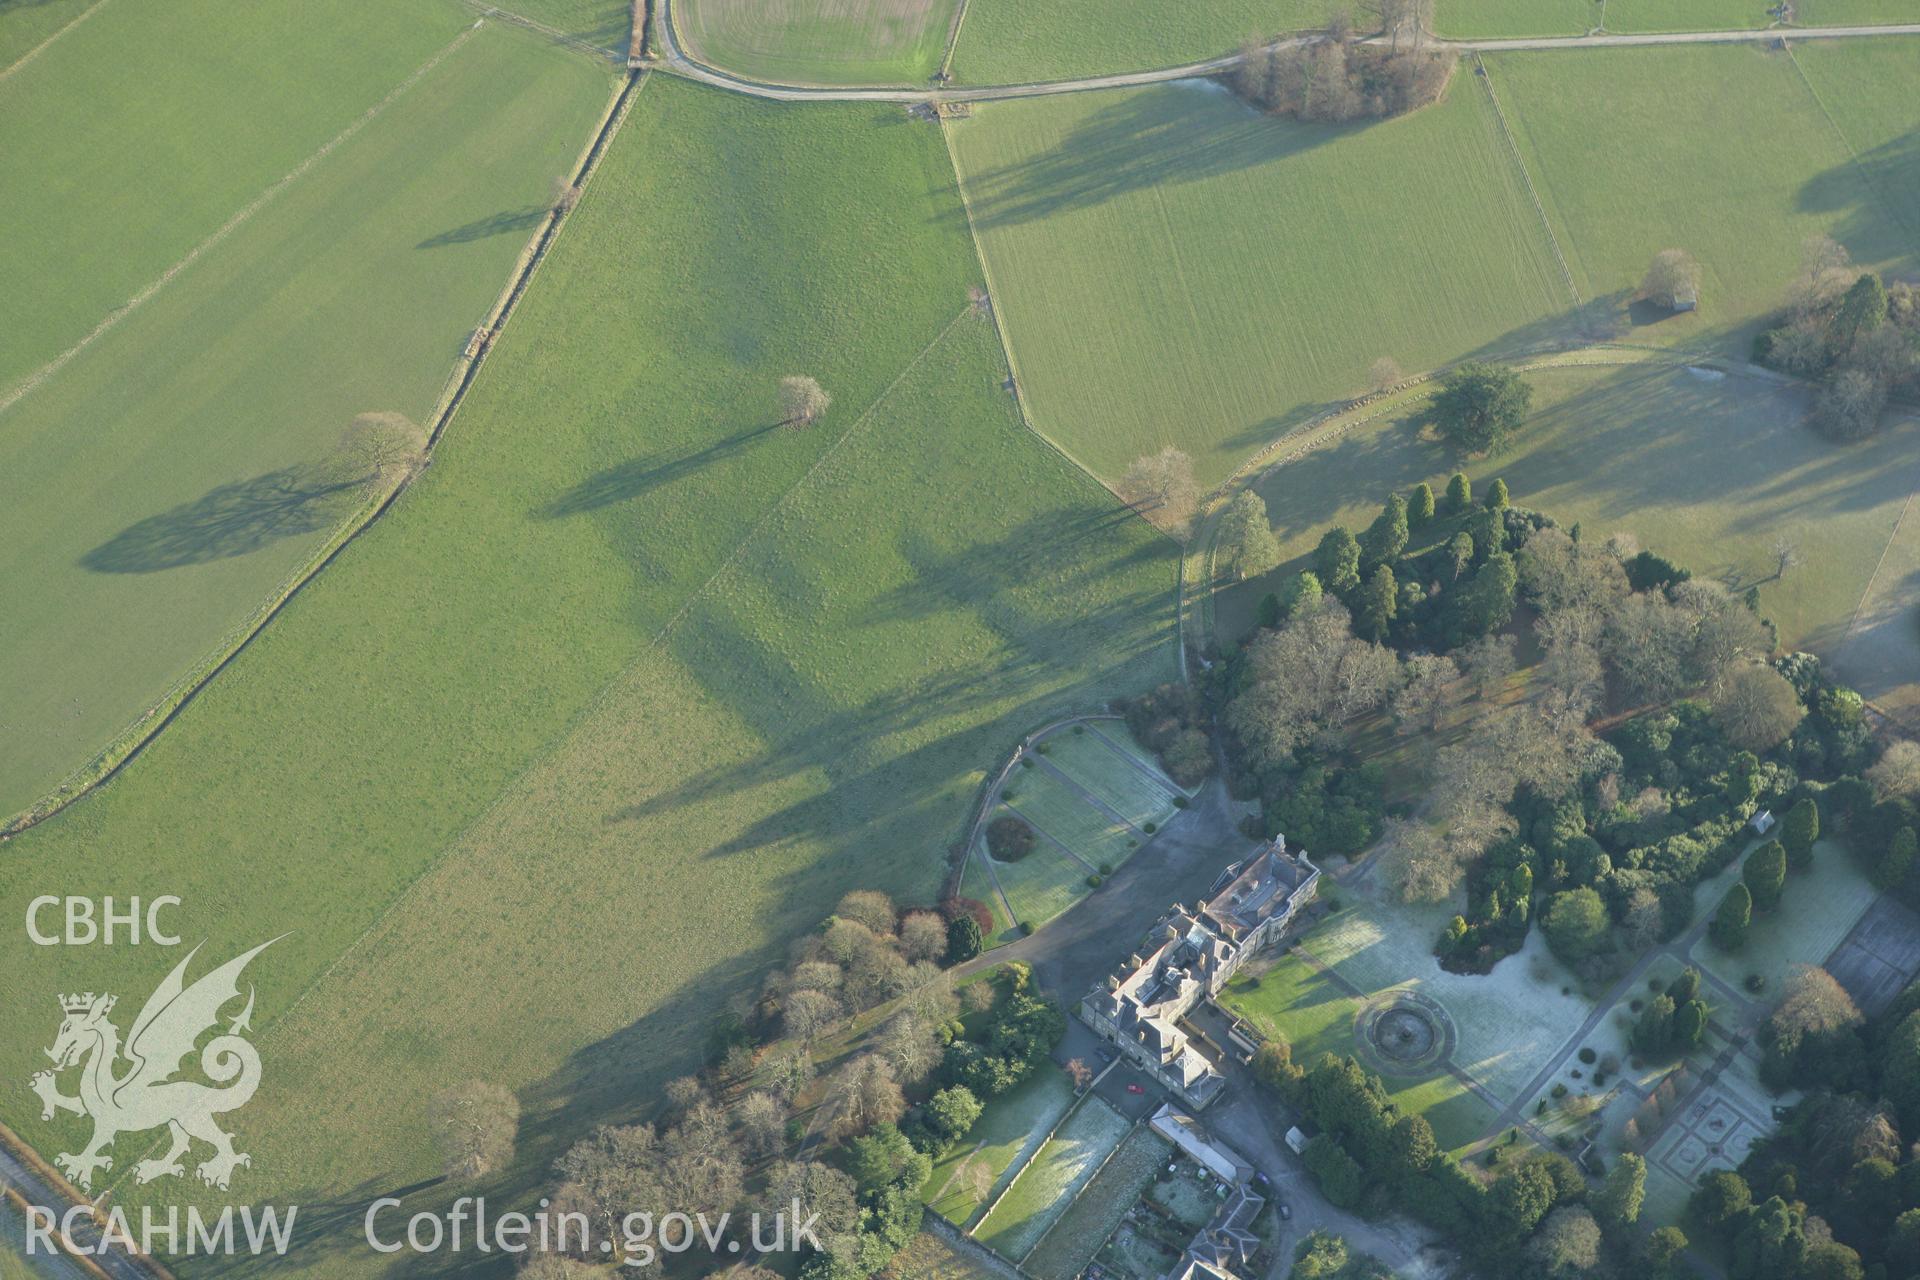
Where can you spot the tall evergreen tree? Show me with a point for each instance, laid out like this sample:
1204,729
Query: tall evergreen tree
1459,493
1420,509
1766,874
1798,832
1731,921
1387,536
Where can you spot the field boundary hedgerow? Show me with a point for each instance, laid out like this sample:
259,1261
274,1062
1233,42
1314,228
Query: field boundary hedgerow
128,744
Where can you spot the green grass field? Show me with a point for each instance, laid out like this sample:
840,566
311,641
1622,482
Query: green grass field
1112,777
1007,1134
627,661
1047,1185
601,22
1014,41
25,29
820,41
1738,189
109,179
1172,268
159,486
1708,470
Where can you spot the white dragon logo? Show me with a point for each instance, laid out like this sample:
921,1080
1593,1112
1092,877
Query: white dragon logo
146,1095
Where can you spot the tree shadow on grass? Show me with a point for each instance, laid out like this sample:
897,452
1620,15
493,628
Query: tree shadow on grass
232,520
507,220
1151,139
1877,196
637,476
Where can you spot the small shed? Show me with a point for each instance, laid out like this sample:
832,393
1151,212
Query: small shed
1686,299
1297,1141
1762,822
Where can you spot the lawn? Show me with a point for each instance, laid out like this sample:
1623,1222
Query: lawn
1510,1022
156,489
820,41
1708,470
1739,189
627,662
1008,1132
1174,268
1062,811
975,884
1013,41
1079,1232
1297,1001
1815,913
1113,777
1048,1183
1041,885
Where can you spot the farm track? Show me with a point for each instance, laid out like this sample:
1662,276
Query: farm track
678,61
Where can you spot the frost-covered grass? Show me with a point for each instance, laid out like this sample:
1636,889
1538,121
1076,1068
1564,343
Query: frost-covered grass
1815,913
1043,1189
1006,1134
1098,1209
1112,777
1510,1021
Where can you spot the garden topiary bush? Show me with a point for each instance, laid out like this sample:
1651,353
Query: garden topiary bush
1009,839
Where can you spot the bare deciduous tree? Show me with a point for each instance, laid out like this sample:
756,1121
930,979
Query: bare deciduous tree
803,401
763,1123
387,447
1814,1003
1756,708
1080,1073
1786,553
1897,772
871,908
1383,374
474,1125
1161,486
1672,277
1488,661
864,1093
1422,702
923,935
808,1013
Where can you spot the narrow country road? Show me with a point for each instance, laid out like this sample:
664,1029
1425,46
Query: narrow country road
680,62
37,1190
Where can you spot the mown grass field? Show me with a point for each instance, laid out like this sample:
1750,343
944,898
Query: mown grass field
1739,189
1706,469
24,28
1173,268
164,482
1014,41
632,684
1494,18
107,179
605,23
820,41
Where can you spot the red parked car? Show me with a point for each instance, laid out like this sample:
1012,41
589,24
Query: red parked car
1134,1088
